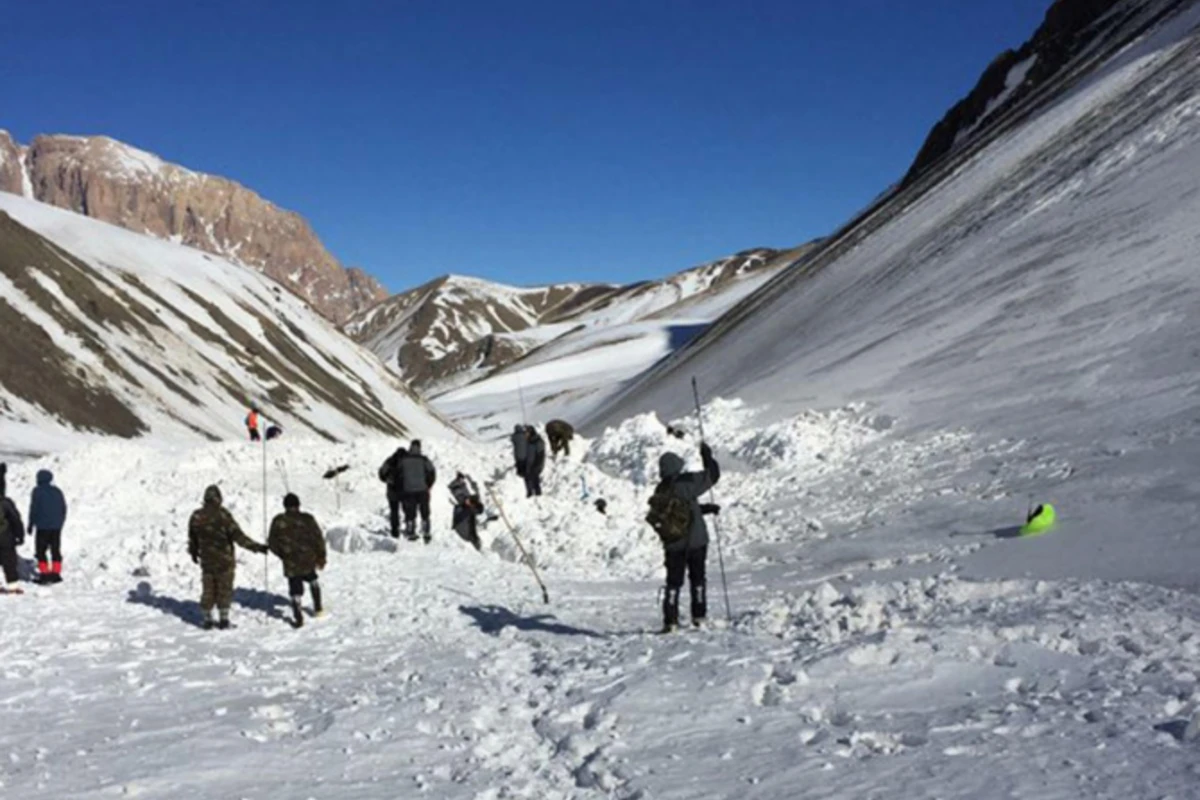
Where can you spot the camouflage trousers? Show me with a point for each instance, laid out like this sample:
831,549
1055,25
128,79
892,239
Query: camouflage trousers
217,590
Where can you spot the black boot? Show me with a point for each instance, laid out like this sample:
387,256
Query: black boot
410,530
425,534
699,604
297,613
670,610
318,608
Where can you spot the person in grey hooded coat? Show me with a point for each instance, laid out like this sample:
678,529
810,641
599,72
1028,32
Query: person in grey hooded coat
689,554
520,445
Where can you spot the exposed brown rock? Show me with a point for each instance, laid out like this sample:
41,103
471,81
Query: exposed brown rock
110,181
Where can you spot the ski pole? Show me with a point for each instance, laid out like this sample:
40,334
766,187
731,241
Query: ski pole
521,547
712,496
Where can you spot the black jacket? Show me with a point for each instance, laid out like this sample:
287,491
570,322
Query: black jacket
14,533
417,473
520,446
535,454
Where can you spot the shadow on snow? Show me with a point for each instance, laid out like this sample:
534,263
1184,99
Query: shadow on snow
493,619
189,610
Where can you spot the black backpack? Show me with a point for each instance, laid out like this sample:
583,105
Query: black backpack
670,515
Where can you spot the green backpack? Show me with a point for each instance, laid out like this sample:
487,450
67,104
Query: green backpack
670,515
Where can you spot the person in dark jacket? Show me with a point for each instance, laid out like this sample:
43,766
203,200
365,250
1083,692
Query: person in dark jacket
4,481
417,477
688,555
520,445
297,539
389,473
535,461
467,508
212,534
560,434
12,536
47,516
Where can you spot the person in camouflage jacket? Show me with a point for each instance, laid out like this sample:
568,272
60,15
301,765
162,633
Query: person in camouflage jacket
297,539
212,534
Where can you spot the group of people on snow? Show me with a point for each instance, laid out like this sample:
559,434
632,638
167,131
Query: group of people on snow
47,517
676,513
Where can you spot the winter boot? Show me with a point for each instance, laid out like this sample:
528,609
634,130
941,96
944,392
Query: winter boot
410,530
425,531
297,613
224,623
670,610
699,604
318,608
56,572
12,588
44,573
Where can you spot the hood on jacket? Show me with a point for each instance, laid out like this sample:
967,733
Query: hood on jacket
669,465
212,496
415,447
518,428
45,477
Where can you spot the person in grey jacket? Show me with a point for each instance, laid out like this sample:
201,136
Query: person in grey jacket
417,477
689,554
520,445
535,461
47,516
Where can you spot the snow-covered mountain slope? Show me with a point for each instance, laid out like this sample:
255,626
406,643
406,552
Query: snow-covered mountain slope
456,330
576,365
1044,292
110,333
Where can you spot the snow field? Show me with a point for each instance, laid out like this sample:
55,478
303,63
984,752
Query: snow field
860,663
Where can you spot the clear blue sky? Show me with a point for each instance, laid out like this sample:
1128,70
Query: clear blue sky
522,141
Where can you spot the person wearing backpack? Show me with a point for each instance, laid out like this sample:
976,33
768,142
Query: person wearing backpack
677,516
417,477
389,473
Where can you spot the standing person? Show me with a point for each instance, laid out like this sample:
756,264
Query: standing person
520,445
212,534
535,461
467,508
417,477
4,480
678,517
47,516
12,536
389,473
297,539
252,424
560,434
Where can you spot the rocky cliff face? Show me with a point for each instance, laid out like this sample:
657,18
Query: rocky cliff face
110,181
1071,31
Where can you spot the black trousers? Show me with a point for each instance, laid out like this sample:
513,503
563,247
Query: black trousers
533,484
414,502
49,542
692,563
254,437
296,588
8,561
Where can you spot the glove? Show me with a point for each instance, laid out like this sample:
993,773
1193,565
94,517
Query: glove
710,508
705,451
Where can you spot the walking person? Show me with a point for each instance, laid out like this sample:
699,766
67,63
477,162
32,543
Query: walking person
417,477
389,473
520,446
12,536
678,517
297,540
212,534
535,461
252,422
47,516
467,508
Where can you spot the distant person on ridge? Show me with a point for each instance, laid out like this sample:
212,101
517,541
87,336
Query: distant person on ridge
252,424
389,473
560,435
47,516
417,477
677,516
212,534
535,461
297,539
520,445
12,536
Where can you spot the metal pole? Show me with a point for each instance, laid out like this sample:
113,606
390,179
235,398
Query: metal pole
713,498
521,547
